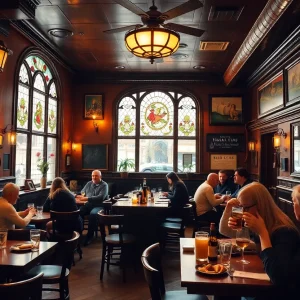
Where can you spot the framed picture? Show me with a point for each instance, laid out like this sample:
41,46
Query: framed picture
29,185
225,110
270,95
225,142
93,107
68,160
293,86
223,162
95,157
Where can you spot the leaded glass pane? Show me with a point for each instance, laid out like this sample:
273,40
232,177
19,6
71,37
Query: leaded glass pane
157,115
51,155
39,83
126,149
156,155
127,117
38,112
186,147
37,64
37,150
52,91
52,116
187,117
22,107
23,75
21,158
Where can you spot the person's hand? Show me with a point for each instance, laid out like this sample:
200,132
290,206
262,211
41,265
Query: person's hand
165,194
254,222
26,211
232,202
32,211
218,196
233,224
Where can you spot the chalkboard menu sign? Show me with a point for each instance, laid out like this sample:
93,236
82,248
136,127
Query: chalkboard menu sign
95,157
225,142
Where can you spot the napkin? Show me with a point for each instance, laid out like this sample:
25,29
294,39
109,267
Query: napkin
259,276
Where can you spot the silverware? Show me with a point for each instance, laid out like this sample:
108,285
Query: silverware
230,272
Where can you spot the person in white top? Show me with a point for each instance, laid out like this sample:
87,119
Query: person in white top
206,200
9,217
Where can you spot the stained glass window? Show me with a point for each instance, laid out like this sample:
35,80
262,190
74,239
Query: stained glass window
36,119
156,129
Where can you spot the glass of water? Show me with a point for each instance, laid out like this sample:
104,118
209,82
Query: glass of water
3,238
39,212
35,236
30,205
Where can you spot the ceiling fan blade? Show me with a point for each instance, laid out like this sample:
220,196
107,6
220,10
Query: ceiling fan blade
181,9
132,7
184,29
121,29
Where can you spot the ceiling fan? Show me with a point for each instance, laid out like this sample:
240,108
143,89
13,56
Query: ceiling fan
153,23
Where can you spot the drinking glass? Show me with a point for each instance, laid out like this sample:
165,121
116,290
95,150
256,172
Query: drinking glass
83,194
159,191
243,240
225,249
39,212
3,238
35,236
228,193
30,205
237,214
201,246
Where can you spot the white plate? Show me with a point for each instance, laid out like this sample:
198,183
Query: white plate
15,248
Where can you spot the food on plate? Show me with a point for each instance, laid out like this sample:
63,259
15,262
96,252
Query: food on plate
25,246
211,269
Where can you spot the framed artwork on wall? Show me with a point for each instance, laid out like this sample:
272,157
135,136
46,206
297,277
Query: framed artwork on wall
223,161
225,110
225,142
93,107
293,83
95,157
270,95
29,185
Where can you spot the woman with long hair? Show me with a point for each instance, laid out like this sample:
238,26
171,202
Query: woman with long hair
278,236
178,194
62,200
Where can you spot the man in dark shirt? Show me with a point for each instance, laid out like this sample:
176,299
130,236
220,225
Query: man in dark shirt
225,184
242,178
94,193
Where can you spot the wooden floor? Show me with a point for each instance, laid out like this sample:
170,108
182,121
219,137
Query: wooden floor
85,283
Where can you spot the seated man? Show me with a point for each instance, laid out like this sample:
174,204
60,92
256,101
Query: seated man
225,184
241,178
95,191
9,217
206,200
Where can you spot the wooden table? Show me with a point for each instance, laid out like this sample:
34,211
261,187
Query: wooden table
21,262
40,222
223,286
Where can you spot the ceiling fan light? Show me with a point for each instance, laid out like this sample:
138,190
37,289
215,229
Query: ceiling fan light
152,42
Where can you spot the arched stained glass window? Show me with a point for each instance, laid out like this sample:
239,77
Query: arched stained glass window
36,120
158,129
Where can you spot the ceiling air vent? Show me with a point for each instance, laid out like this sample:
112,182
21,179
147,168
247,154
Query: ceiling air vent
213,46
224,13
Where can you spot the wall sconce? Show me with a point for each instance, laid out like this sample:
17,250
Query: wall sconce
12,135
277,138
251,145
74,146
4,52
95,124
253,152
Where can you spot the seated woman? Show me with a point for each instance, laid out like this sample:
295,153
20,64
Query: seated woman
60,199
178,194
279,237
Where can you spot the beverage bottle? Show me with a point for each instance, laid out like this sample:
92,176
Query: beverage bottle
144,182
212,243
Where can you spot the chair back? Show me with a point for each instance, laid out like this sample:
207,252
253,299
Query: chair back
186,212
109,221
63,216
107,206
29,289
194,208
24,235
151,261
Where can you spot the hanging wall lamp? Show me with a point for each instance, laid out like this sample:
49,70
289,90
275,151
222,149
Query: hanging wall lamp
277,138
253,152
12,135
4,52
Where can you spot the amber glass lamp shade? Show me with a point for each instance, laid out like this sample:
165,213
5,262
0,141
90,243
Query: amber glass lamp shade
4,52
251,145
152,42
276,141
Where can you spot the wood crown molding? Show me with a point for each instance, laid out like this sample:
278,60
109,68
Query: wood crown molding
19,9
268,17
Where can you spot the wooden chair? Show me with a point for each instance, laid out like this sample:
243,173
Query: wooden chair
115,243
198,224
59,274
24,235
172,231
29,289
58,236
151,260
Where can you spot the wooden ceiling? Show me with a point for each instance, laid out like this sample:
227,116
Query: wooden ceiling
91,50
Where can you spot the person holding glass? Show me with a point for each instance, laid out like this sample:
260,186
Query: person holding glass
278,236
178,195
225,184
60,199
9,217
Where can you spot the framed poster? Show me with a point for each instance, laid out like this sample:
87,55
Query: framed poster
29,185
270,95
225,142
225,110
93,107
293,86
223,162
95,157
